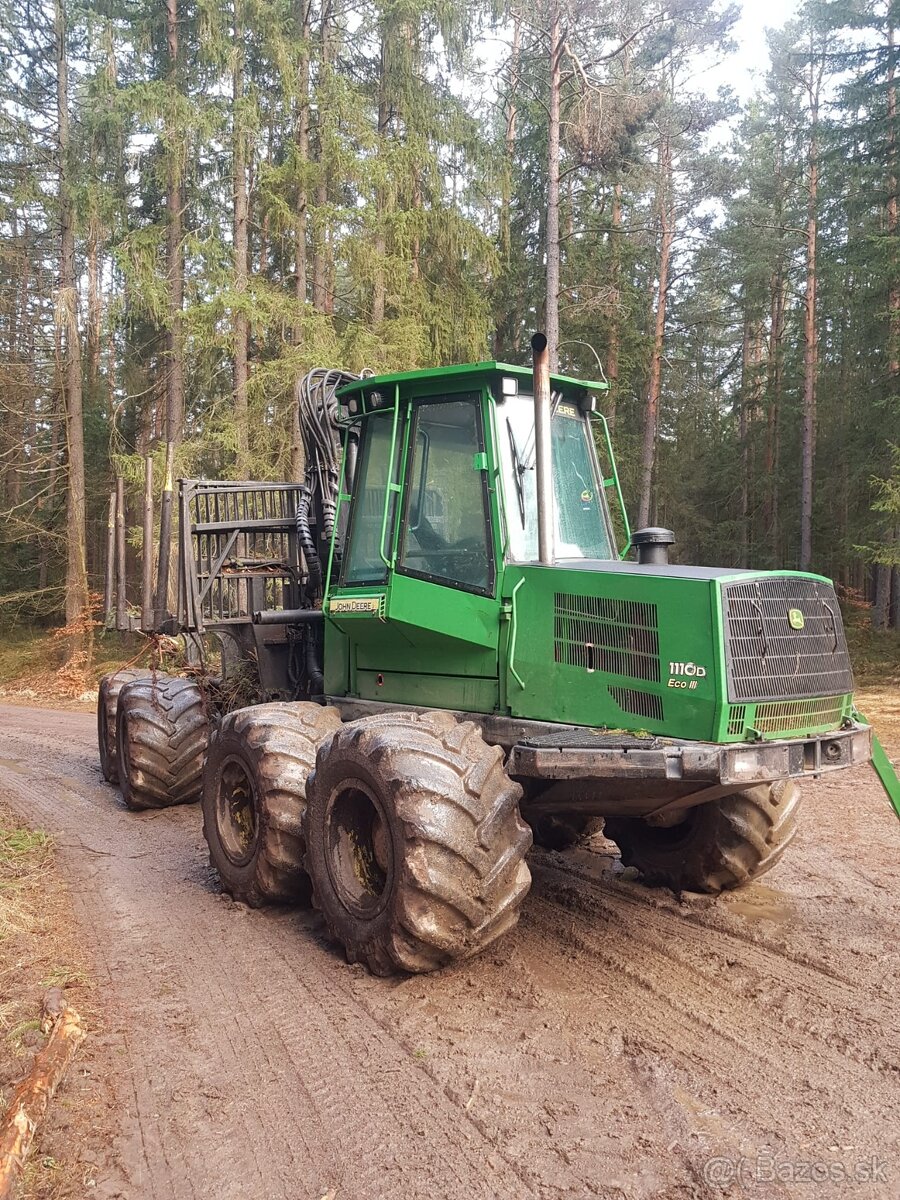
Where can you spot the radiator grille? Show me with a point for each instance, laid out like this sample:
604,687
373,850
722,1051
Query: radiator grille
619,637
799,714
737,719
767,658
639,704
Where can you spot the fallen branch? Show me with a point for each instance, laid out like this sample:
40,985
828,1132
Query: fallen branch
32,1097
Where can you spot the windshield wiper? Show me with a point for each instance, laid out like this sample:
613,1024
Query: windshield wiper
519,470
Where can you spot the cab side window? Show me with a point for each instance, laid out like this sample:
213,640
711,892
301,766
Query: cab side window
363,562
446,532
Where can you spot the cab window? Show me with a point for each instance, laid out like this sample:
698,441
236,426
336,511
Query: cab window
362,559
446,529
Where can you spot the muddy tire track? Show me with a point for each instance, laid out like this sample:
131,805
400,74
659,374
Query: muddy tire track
613,1046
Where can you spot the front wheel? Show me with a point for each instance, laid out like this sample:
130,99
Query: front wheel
718,846
415,846
254,798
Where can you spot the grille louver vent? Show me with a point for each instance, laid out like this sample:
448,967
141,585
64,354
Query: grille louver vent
799,714
619,637
767,657
639,704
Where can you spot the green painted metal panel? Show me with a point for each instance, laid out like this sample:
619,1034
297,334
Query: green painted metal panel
429,691
595,648
480,374
337,660
425,610
884,768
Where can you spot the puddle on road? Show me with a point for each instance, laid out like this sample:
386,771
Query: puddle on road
760,903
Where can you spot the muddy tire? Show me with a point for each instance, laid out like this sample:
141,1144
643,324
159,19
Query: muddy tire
107,704
415,846
720,845
254,799
162,731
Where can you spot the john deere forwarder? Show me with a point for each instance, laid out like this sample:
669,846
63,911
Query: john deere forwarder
452,656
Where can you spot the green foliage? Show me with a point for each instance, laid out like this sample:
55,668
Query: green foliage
397,221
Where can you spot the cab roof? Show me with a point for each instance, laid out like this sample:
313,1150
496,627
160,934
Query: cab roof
481,374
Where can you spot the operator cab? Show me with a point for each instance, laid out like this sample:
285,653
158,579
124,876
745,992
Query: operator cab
437,506
426,459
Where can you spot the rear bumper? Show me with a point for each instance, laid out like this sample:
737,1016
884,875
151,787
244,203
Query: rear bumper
558,756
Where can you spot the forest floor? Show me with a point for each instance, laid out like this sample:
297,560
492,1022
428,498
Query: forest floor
622,1043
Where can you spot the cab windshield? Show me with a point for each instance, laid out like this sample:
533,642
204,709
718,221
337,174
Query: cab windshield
582,527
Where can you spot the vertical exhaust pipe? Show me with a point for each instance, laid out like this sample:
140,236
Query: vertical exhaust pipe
543,452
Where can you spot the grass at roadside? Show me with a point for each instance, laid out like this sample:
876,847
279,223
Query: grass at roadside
39,948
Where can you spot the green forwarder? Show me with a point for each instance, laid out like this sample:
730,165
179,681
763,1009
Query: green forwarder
458,645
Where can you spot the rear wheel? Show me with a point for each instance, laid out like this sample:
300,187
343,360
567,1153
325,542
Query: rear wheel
254,798
718,846
162,731
415,845
107,704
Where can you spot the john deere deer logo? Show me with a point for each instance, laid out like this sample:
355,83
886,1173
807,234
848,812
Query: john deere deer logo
796,619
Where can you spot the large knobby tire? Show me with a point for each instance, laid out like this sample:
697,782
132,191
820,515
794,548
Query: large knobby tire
415,846
718,846
107,704
254,799
162,731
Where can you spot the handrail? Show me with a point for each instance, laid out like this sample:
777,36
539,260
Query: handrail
512,635
392,487
614,481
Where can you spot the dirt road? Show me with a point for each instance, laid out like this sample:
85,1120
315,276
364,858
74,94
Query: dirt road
620,1044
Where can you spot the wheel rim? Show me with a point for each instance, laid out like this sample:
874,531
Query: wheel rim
358,849
236,812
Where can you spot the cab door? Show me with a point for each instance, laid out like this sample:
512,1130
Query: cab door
438,638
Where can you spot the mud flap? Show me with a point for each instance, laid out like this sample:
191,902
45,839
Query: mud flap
884,768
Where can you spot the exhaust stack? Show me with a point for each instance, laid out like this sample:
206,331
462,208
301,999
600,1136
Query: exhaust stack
543,451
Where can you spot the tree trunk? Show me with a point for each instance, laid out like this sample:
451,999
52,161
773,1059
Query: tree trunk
174,337
381,200
302,140
94,309
776,333
320,239
147,549
651,417
615,328
509,145
30,1102
744,423
553,274
881,607
894,287
14,419
121,576
241,252
77,601
811,348
109,589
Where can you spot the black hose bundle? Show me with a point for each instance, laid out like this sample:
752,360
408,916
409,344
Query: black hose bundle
317,404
